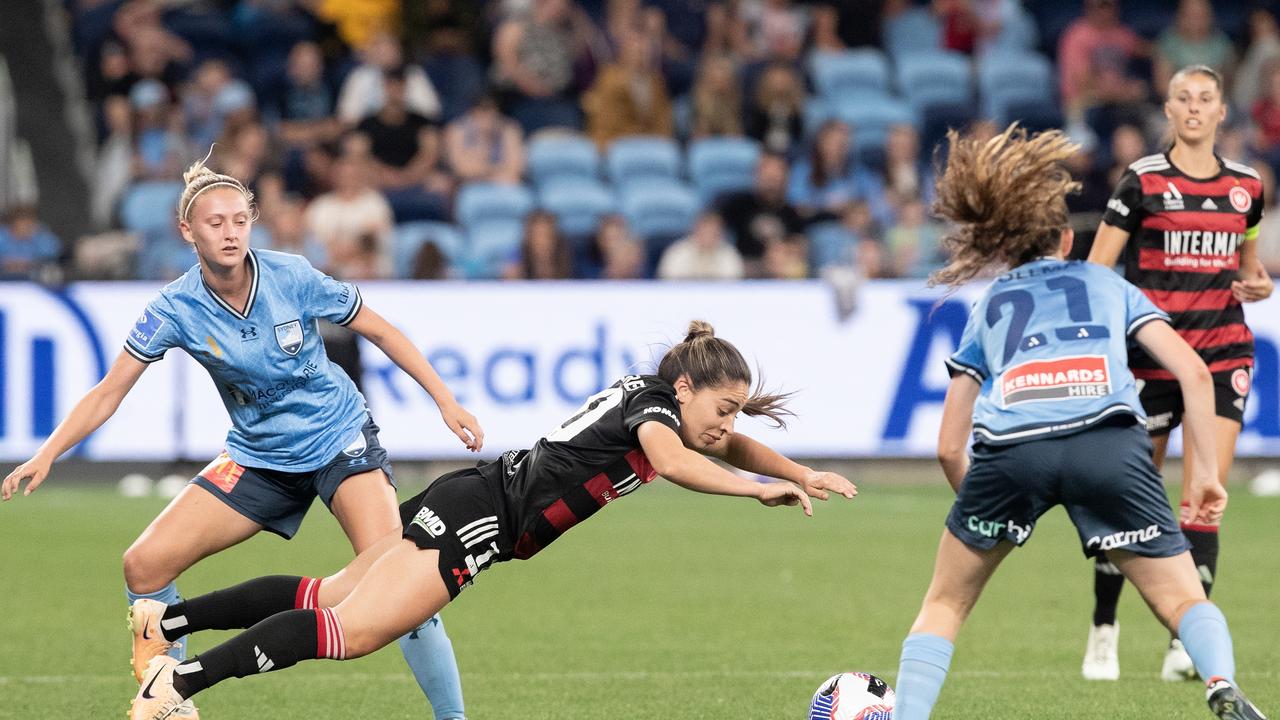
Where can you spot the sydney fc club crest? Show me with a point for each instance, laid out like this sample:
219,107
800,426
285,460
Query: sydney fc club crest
289,336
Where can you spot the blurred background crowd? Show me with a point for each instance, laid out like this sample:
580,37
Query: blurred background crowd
619,139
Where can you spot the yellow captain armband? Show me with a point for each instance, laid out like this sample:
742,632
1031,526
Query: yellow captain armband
1251,233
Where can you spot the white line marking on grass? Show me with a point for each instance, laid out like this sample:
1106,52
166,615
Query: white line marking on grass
573,676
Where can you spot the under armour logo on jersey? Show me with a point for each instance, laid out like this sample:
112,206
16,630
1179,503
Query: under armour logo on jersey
249,333
264,663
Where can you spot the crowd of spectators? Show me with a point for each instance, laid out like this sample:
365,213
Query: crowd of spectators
354,121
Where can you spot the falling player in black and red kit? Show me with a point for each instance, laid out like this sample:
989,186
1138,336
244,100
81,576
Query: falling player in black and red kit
625,435
1187,221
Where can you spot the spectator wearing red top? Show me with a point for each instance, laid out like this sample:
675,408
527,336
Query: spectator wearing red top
1094,57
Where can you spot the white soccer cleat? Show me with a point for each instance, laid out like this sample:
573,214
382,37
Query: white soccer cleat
186,711
1177,664
157,699
148,641
1101,654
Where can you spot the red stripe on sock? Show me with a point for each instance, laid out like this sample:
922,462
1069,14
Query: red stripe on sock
342,638
322,635
303,595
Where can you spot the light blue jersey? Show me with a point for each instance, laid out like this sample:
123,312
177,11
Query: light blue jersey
291,409
1048,343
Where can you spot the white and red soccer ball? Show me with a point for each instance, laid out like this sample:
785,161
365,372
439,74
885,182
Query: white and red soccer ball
853,696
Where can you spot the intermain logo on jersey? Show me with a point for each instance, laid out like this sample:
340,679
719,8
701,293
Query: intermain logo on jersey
1061,379
1201,249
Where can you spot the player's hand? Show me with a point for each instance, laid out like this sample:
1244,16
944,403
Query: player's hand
1252,289
818,484
1206,503
34,470
464,425
784,493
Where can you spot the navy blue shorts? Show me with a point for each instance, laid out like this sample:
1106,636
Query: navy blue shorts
1103,476
279,500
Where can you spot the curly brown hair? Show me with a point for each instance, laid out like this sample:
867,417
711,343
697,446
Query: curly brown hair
1006,197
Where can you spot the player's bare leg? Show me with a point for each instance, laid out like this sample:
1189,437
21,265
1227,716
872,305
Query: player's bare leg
1177,664
959,575
1171,586
366,507
193,526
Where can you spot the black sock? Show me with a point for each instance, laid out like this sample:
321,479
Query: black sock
237,607
278,642
1107,584
1204,553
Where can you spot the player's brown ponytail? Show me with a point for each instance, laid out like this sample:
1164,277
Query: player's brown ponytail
709,361
1007,198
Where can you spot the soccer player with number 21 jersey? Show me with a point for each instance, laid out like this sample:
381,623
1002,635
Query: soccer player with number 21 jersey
1042,384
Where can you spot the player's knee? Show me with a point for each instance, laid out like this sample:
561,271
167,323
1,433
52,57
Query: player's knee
1176,611
144,570
363,641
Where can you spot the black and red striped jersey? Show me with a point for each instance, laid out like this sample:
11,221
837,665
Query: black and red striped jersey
593,458
1185,235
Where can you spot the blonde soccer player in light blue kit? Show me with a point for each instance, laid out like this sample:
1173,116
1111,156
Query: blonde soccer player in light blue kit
300,429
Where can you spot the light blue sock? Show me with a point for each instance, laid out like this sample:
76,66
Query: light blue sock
1203,632
430,655
167,595
921,672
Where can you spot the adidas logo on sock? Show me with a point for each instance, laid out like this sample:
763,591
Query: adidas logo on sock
264,663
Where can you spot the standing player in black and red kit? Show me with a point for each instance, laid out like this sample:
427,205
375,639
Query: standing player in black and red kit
1188,221
624,436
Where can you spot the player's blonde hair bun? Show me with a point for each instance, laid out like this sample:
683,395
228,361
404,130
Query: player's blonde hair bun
198,178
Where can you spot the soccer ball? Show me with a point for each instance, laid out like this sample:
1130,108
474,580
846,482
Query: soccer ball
853,696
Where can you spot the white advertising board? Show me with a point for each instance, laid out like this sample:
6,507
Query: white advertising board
523,356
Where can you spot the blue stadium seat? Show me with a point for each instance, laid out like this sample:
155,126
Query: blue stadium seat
578,204
553,157
633,159
830,243
484,201
1005,78
722,165
839,74
150,205
492,243
936,78
914,31
938,120
659,212
409,238
871,117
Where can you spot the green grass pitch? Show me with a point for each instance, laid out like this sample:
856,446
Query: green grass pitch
666,605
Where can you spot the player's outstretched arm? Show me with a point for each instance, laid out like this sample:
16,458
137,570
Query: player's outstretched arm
957,425
373,327
690,470
1207,498
749,454
1107,245
94,408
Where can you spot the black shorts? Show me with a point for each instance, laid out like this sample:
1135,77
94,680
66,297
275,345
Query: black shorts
278,500
1103,476
1162,399
463,516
